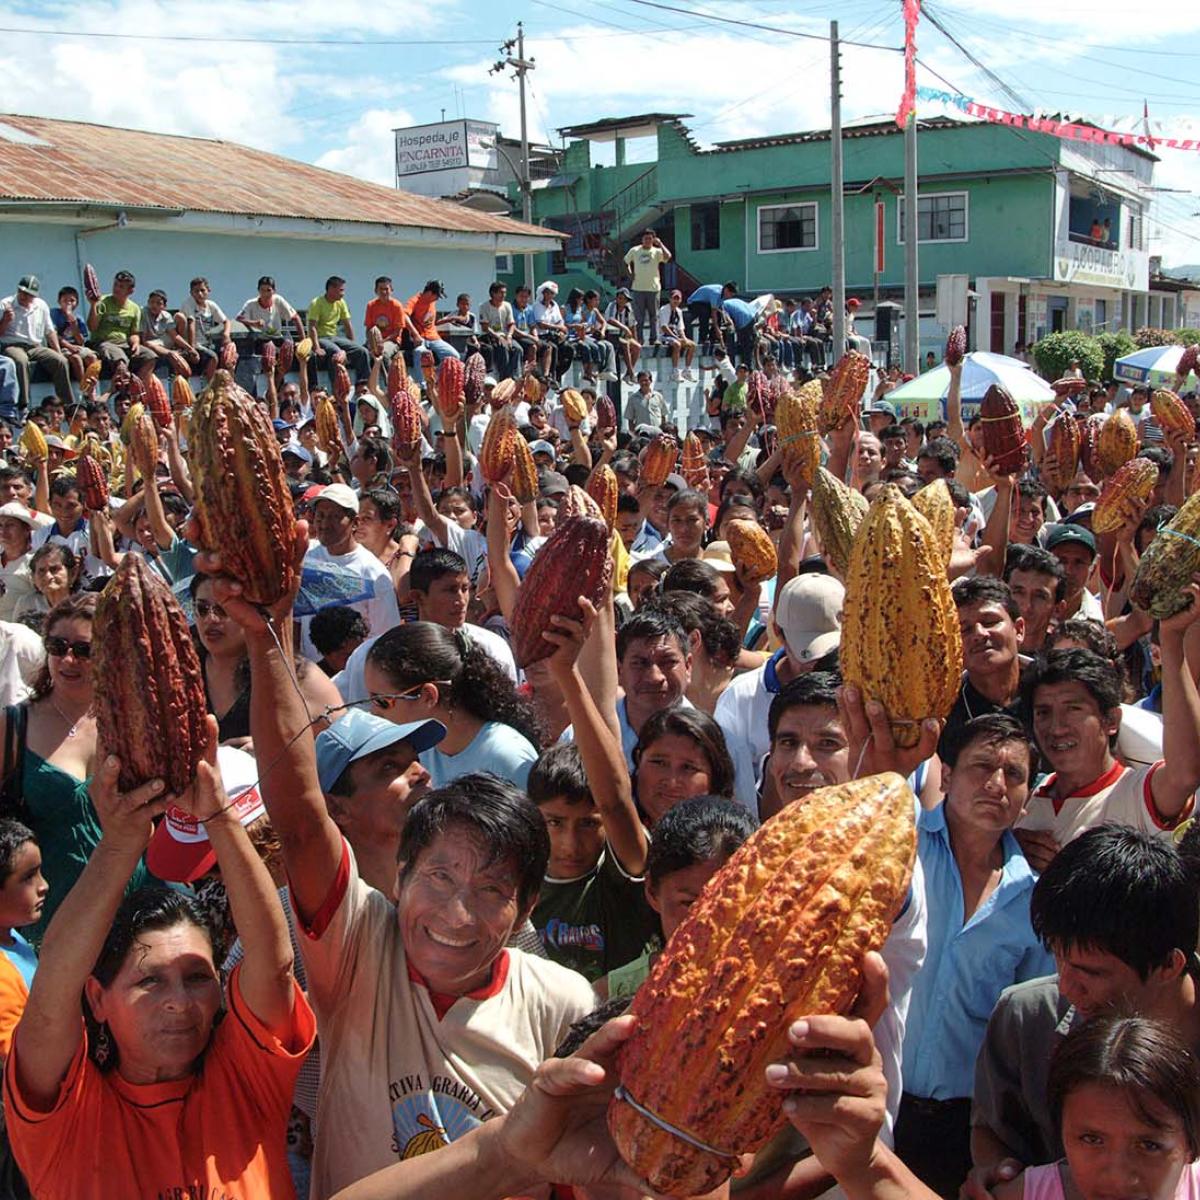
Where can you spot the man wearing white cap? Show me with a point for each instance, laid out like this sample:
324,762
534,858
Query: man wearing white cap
28,337
339,553
808,615
17,524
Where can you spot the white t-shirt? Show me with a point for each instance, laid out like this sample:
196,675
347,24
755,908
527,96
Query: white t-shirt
400,1078
741,712
16,584
380,611
276,318
469,544
209,319
21,657
32,323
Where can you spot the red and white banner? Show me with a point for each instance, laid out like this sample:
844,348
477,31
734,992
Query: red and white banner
908,102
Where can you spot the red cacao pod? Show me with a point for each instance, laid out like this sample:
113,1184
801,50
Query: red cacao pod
342,386
757,398
135,389
1069,385
397,378
574,562
450,380
270,357
579,503
89,474
1089,441
91,284
148,687
1172,414
606,413
499,445
406,423
1063,439
658,459
287,355
956,346
1003,433
474,373
229,355
243,506
157,404
694,464
842,392
1136,479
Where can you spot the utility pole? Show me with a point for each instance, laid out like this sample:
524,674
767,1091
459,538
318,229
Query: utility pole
522,66
836,198
912,329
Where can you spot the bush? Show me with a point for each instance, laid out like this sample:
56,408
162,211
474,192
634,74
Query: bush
1149,336
1054,353
1114,346
1187,337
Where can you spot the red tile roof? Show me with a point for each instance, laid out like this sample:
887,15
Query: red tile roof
74,162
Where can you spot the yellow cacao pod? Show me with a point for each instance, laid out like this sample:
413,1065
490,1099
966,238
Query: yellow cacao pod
751,548
837,512
573,403
1117,443
34,441
936,505
1172,414
796,423
1135,480
326,424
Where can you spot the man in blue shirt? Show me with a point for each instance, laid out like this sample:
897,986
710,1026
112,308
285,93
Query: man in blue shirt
980,940
703,305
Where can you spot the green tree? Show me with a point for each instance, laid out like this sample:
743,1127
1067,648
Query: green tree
1114,346
1149,336
1055,353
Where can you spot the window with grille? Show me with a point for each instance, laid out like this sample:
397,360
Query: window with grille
941,217
787,227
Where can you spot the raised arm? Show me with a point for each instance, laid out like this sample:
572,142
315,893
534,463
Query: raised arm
423,498
506,583
1174,783
49,1033
180,476
995,532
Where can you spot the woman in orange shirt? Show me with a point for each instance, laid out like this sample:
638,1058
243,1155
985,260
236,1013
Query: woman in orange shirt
161,1092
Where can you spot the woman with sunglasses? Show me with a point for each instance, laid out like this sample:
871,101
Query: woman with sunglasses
226,667
50,755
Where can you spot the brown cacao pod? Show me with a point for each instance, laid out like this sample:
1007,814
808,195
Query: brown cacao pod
93,485
758,395
143,445
778,933
503,393
1165,570
1069,385
342,387
837,512
524,478
329,437
796,421
1089,442
694,463
901,643
450,379
574,406
229,355
406,423
34,441
658,459
574,562
91,283
606,413
92,372
1136,479
602,486
397,378
1172,414
287,353
496,454
474,373
956,346
936,505
751,548
375,342
181,393
179,364
1188,360
1063,438
243,506
841,395
269,358
579,503
1117,443
1003,434
533,389
157,404
148,687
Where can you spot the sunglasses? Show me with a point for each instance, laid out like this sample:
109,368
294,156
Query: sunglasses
384,700
206,608
58,648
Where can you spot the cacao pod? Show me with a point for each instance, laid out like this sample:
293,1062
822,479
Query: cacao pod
181,393
375,342
956,346
837,512
936,505
342,386
504,392
397,378
658,459
1003,433
1136,479
901,643
579,503
92,372
179,364
91,283
796,421
287,352
474,373
1063,438
756,394
602,486
130,419
779,387
496,453
606,414
694,463
1089,442
778,933
406,423
574,562
1069,385
89,474
148,687
34,441
329,437
1188,360
229,355
533,389
751,548
1172,414
1166,569
574,406
304,349
135,389
450,380
243,506
524,478
157,404
143,445
269,358
840,398
1117,442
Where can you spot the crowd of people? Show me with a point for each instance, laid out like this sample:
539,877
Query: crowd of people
409,875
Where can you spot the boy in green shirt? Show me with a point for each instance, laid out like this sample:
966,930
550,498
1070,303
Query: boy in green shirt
327,314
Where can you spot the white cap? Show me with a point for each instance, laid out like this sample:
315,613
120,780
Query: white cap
20,512
341,495
809,615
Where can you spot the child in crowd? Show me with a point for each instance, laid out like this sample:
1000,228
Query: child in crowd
23,891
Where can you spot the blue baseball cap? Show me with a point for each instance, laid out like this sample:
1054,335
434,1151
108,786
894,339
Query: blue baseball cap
297,451
279,424
360,733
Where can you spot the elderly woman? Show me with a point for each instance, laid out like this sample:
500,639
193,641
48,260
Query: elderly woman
551,327
150,1079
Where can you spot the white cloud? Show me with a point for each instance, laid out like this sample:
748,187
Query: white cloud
367,151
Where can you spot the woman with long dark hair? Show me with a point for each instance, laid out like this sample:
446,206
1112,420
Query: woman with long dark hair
680,753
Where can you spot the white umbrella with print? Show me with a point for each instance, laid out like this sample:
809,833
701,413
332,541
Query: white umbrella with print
925,396
1155,366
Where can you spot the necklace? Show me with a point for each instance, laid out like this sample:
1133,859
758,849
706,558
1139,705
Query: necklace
87,712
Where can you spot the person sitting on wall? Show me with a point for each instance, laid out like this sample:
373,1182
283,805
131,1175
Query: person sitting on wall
327,314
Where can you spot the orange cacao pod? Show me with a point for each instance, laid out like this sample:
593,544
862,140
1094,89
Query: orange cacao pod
750,547
229,355
579,503
450,379
1063,440
503,393
91,283
342,386
841,396
149,692
533,389
179,364
397,377
1172,414
573,404
243,506
269,358
796,420
474,373
143,445
778,933
956,346
375,342
1003,433
1135,479
157,404
406,423
181,393
496,454
602,486
694,463
1188,360
574,562
89,474
326,424
92,372
524,478
1117,442
658,459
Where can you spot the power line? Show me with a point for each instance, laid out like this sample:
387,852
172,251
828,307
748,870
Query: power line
1016,97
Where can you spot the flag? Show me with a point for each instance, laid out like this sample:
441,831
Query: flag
1146,123
908,101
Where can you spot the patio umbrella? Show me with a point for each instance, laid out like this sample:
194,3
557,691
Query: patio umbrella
925,396
1155,365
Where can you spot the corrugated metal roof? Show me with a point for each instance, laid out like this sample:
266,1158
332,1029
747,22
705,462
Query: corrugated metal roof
74,162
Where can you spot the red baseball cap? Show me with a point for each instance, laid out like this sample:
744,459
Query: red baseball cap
854,302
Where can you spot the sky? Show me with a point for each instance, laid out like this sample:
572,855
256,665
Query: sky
274,75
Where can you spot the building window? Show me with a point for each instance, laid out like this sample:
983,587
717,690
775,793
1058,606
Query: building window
941,217
504,264
706,227
787,227
558,262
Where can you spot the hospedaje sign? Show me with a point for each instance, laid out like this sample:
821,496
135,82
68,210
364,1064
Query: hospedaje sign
445,146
